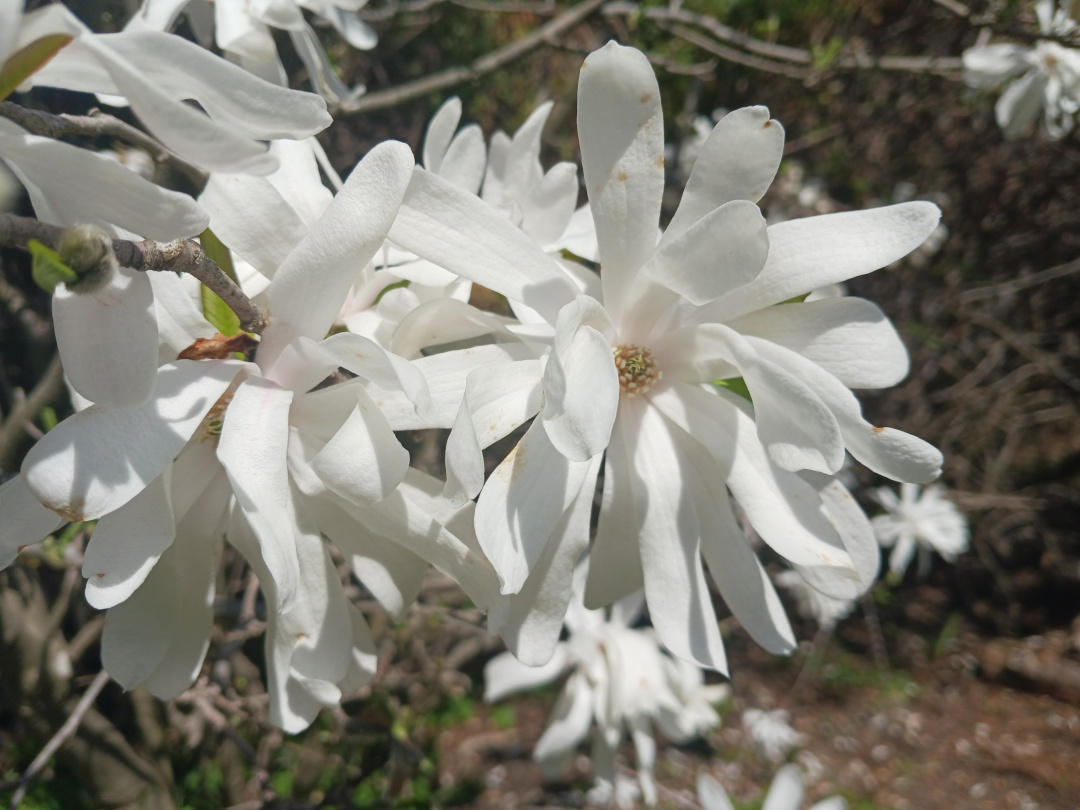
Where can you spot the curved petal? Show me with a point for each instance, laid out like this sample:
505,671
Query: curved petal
549,205
127,543
504,675
786,790
440,131
808,253
581,383
570,722
99,459
26,520
443,320
621,130
523,169
1019,105
854,528
522,503
711,793
311,283
108,339
465,159
738,161
722,251
848,337
530,621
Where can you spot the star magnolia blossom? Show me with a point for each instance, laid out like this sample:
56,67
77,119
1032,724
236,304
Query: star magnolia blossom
621,681
633,377
1045,77
242,30
813,604
927,524
771,732
785,793
248,450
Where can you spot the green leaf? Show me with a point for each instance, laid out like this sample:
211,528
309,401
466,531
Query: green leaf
27,61
47,268
214,309
397,284
798,299
49,419
736,385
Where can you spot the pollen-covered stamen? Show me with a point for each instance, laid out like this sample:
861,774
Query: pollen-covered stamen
637,369
215,419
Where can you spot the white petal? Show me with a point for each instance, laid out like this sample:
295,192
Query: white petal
127,543
464,162
101,458
180,321
808,253
570,721
311,283
25,521
390,571
440,132
10,17
250,216
108,339
615,558
522,504
722,251
849,337
523,169
443,320
364,660
738,161
549,205
252,448
504,675
352,29
71,179
363,462
621,130
530,621
989,66
675,587
711,793
580,235
782,508
497,400
456,230
786,790
1019,105
581,383
886,451
645,748
854,529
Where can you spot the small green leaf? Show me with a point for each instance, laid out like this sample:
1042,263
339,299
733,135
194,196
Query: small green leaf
27,61
47,268
798,299
49,419
736,385
396,285
214,309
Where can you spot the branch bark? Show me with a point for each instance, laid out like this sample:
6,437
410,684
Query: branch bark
179,256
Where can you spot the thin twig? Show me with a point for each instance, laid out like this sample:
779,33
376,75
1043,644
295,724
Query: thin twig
47,389
1015,285
736,56
384,99
65,731
179,256
98,124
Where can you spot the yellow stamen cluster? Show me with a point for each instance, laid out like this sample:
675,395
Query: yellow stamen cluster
215,419
637,369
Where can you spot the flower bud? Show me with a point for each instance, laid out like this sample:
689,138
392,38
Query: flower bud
87,250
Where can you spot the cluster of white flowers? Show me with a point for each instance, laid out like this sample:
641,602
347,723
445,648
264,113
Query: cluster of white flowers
1045,77
691,369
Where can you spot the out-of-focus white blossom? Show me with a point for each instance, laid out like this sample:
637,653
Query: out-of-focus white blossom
785,793
811,603
926,523
1045,77
771,732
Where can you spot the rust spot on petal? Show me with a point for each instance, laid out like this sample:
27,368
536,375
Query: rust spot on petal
218,347
73,513
767,124
19,549
621,177
645,98
878,430
99,576
301,636
660,162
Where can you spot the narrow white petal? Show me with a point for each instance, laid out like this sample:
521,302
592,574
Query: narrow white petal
530,621
569,724
252,449
786,790
443,320
504,675
738,161
101,458
179,319
711,793
108,339
25,521
549,205
523,502
460,232
364,655
722,251
854,528
440,131
808,253
621,129
848,337
127,543
1019,105
311,283
465,159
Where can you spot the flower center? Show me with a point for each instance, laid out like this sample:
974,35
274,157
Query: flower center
637,369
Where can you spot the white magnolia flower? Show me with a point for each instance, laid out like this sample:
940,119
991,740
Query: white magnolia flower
785,793
928,523
619,679
771,732
632,377
249,450
1044,77
242,29
811,603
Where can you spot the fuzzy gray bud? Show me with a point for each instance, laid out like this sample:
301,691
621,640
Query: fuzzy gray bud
88,251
